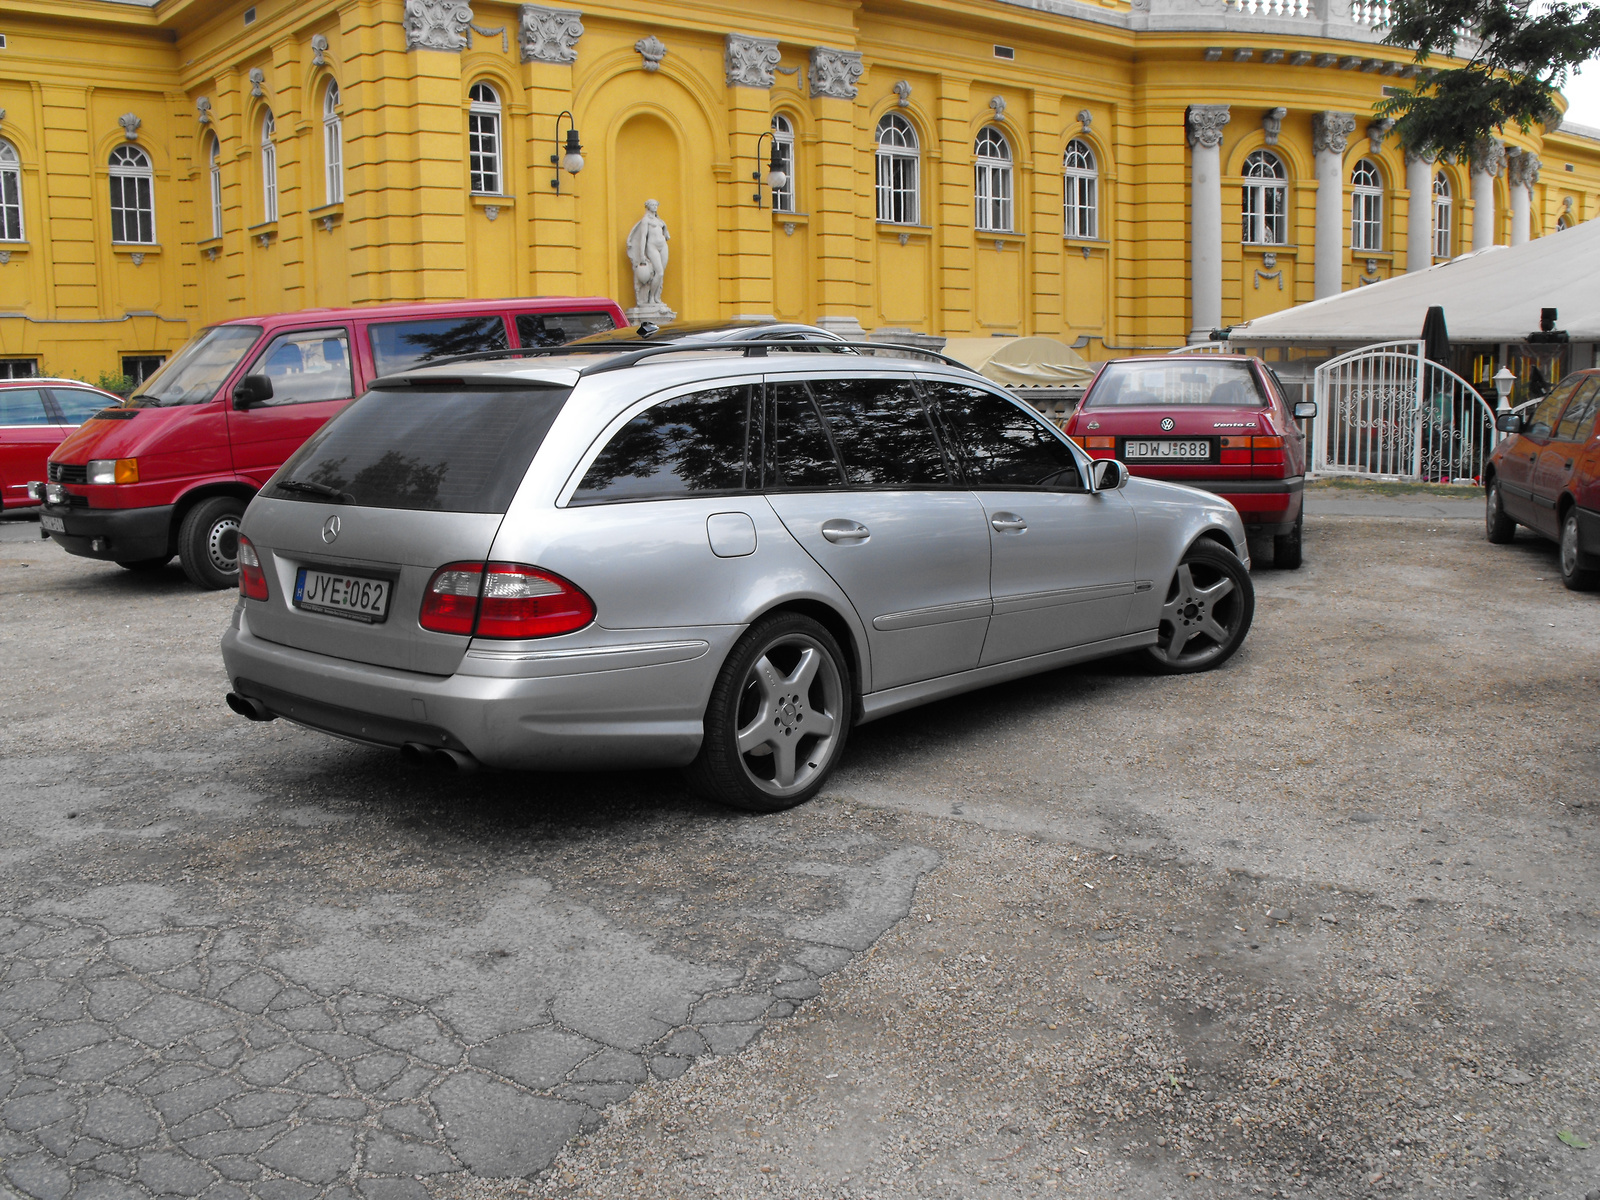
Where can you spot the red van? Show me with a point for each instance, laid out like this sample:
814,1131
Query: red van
171,471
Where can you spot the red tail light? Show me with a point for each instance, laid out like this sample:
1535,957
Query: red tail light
252,579
1267,451
503,600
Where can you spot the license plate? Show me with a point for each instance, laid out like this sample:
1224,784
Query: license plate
338,595
1193,448
52,524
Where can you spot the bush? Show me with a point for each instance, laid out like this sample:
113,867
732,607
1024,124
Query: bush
116,382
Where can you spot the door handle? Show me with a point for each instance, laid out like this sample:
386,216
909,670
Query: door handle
1005,522
845,531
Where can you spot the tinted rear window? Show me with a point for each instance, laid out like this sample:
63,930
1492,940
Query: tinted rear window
695,443
445,451
400,345
1144,384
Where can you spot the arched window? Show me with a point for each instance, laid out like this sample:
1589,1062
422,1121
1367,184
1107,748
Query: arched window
133,206
1082,190
483,139
332,146
1264,206
269,168
898,160
783,144
10,194
214,183
1366,207
992,186
1443,216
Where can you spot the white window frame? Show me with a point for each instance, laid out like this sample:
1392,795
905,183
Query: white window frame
133,186
899,170
992,179
1080,173
269,167
485,146
332,146
783,143
1366,206
1264,200
12,228
1443,215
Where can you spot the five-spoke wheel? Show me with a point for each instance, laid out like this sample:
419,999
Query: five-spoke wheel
1207,611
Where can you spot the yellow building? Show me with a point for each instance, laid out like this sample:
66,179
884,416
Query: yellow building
1126,173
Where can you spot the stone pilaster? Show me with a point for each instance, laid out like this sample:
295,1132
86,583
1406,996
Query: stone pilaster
1205,123
1488,160
1330,136
1419,218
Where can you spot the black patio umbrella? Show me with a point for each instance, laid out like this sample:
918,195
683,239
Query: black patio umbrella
1435,337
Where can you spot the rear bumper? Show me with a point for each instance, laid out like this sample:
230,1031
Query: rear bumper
1267,507
113,534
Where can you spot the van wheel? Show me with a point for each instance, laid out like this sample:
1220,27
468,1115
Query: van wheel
208,543
145,564
777,719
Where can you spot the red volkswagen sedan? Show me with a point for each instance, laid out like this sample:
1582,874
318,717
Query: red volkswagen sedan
35,414
1218,422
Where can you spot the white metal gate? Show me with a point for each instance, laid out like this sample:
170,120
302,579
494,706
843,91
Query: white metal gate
1386,409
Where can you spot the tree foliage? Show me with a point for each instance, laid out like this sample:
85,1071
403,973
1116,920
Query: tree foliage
1518,56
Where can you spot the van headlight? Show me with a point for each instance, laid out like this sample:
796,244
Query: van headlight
113,470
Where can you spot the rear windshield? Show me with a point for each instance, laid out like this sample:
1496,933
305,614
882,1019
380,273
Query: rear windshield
463,450
194,373
400,345
1185,381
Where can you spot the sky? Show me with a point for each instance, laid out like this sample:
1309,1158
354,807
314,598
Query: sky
1583,96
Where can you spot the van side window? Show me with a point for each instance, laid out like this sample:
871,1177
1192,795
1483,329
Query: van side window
881,432
1001,445
307,366
555,329
799,456
694,444
400,345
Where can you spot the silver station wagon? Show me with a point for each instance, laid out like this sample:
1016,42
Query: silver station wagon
716,558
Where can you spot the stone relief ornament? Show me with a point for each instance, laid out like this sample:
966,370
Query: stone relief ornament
903,91
319,50
835,72
437,24
998,103
1205,122
138,258
1085,118
549,35
1489,156
2,117
1331,131
652,50
1272,124
5,257
647,254
1522,167
491,211
1376,132
1371,276
130,126
750,60
257,78
202,108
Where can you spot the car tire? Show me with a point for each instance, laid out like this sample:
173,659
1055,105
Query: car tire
1498,527
145,564
208,543
1287,552
1578,578
785,671
1206,613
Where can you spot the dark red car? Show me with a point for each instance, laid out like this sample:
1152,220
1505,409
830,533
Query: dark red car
35,414
1218,422
1546,476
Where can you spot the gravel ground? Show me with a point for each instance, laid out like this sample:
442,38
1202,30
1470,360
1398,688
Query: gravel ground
1322,923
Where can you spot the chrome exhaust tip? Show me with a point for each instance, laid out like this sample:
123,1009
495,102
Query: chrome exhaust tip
437,757
249,707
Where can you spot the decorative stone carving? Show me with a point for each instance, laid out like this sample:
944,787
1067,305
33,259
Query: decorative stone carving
327,224
788,229
999,245
1325,60
749,60
835,72
1205,122
1242,55
1272,124
498,31
652,49
1376,132
1213,53
265,240
491,211
1522,167
1269,261
1426,154
905,239
2,117
647,253
1331,131
258,77
549,35
202,108
1299,58
1489,157
437,24
903,91
319,50
211,254
1085,119
1371,276
130,126
1272,56
5,257
998,104
1350,62
137,258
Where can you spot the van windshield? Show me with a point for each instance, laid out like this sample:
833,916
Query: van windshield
1145,383
193,374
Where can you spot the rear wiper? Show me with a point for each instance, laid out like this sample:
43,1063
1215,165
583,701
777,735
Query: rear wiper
314,489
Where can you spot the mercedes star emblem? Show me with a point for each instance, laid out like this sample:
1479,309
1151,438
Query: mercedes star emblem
330,529
1166,425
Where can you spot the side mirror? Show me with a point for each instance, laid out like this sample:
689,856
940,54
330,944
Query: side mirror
1306,410
252,389
1509,422
1107,475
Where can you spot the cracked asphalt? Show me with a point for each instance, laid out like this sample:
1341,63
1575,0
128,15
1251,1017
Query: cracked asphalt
1323,923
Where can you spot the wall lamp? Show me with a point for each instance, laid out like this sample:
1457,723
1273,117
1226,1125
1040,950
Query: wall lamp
777,177
572,161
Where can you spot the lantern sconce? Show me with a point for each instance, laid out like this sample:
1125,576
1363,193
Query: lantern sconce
777,177
570,161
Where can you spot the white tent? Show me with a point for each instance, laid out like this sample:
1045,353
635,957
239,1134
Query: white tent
1022,361
1491,295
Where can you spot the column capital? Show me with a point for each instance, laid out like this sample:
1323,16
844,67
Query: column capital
1330,131
1522,167
1426,155
1205,122
1488,157
749,60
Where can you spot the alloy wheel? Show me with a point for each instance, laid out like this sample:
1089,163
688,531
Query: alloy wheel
1202,616
791,710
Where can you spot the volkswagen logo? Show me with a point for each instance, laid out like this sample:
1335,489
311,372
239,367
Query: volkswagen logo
330,529
1166,426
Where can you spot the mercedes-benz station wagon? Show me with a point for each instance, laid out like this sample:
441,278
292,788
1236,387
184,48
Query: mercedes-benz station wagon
716,558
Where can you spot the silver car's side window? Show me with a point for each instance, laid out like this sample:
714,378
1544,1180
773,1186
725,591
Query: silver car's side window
1000,445
882,433
798,453
694,444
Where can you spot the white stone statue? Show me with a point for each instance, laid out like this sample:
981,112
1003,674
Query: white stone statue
647,254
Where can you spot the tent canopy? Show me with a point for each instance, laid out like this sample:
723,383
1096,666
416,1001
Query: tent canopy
1491,295
1022,361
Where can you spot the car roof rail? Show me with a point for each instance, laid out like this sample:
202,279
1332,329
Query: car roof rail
622,355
